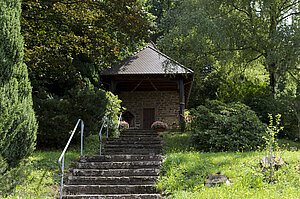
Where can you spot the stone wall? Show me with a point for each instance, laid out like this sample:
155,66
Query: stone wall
165,103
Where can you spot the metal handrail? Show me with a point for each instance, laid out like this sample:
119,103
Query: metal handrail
100,132
61,160
106,119
119,121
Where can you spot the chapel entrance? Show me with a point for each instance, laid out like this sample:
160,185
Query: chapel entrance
148,88
148,117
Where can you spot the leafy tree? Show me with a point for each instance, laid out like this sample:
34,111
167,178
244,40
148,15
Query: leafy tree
68,41
67,44
17,119
240,33
157,8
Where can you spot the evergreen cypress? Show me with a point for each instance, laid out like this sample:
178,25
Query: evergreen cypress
18,124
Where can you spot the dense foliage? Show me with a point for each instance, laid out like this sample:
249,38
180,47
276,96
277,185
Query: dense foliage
17,119
222,127
240,51
260,99
58,115
68,41
67,45
113,110
157,8
240,33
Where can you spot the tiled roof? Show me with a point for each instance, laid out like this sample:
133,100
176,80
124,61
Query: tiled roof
148,60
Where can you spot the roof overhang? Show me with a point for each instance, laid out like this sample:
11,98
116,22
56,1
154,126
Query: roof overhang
152,66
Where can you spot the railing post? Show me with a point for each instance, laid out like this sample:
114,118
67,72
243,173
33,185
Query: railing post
118,125
100,142
62,177
61,160
82,127
100,133
107,126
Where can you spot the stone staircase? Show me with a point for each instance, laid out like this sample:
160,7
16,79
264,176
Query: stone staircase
127,169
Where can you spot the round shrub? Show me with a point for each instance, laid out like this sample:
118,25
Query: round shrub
226,127
159,125
57,116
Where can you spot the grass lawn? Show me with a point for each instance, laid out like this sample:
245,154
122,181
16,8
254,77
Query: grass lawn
185,169
182,175
39,175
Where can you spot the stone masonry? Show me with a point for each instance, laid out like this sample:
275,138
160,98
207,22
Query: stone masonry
165,103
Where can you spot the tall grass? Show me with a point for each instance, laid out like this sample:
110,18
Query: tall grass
184,171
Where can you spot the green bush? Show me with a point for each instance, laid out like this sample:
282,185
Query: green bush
261,100
57,116
113,110
265,105
221,127
17,119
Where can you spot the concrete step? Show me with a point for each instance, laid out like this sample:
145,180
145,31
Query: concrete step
96,180
117,165
150,135
130,142
120,158
116,196
116,172
109,189
132,151
127,169
128,138
134,146
138,133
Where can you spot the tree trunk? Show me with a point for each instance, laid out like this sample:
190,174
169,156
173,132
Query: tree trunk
274,79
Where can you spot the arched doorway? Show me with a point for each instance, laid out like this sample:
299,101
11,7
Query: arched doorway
129,118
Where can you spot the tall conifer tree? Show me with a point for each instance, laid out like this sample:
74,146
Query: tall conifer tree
18,124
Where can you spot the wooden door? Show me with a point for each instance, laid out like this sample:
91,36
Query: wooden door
148,117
